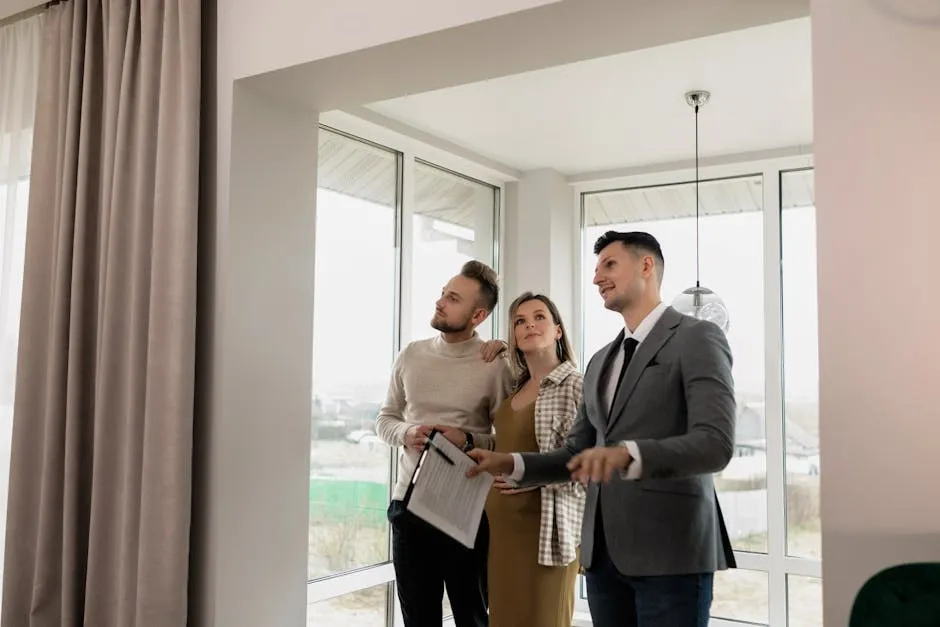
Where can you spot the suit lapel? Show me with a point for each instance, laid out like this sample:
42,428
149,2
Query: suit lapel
662,331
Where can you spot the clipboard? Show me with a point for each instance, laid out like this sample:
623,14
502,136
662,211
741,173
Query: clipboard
414,473
417,470
445,497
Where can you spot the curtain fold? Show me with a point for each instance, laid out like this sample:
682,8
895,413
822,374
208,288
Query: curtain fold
20,45
100,488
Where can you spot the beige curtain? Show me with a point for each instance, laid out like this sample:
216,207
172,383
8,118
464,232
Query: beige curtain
99,504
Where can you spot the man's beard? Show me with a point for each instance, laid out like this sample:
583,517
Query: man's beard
444,327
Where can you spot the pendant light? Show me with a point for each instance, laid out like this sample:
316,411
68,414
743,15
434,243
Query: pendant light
700,302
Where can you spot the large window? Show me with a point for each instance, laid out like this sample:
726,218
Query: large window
757,251
390,231
732,265
354,342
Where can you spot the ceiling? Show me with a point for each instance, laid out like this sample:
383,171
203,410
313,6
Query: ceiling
628,110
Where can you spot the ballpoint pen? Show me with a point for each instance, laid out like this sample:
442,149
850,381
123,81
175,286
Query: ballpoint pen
440,452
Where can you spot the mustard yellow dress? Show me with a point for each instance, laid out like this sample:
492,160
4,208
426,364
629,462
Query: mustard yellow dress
522,592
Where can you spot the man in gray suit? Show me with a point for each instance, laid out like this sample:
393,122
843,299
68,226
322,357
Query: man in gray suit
656,420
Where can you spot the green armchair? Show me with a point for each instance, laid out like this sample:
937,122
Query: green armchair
907,595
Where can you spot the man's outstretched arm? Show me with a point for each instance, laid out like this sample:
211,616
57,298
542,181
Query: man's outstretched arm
533,469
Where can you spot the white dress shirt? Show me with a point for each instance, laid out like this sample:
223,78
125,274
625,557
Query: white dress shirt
639,334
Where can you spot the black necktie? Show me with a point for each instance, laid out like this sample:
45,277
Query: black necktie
629,348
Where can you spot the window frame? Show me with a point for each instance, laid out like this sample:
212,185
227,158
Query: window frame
776,562
409,152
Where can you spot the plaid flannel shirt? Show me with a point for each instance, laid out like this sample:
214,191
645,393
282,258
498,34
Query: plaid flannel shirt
562,504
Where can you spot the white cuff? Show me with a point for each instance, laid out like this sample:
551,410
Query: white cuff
635,469
518,468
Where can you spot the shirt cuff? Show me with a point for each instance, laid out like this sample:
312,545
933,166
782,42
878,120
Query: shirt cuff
518,468
635,469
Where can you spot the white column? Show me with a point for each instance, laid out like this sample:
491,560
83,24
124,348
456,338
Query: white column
253,431
877,144
541,234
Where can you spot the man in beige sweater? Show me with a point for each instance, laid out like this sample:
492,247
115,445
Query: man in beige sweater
454,383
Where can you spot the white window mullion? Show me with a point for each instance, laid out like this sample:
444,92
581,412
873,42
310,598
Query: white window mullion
724,622
347,583
580,279
773,403
405,240
752,561
803,567
498,254
485,245
406,246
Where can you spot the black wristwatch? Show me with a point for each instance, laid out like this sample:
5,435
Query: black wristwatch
468,445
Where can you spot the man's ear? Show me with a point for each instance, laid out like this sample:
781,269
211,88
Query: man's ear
479,316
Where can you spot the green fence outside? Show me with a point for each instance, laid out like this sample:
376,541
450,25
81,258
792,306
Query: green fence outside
334,500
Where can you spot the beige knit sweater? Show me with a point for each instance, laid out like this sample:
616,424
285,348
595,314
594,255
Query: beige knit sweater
436,382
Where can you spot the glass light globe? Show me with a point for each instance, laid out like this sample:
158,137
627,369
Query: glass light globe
704,304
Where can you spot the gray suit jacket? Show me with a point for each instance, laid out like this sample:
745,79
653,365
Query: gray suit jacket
676,401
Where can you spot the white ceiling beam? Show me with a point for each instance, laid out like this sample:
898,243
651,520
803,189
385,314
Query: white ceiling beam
546,36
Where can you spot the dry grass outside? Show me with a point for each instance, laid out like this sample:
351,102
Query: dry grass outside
803,503
362,608
723,484
343,546
370,597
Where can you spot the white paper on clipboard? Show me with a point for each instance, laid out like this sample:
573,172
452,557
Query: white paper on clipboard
442,495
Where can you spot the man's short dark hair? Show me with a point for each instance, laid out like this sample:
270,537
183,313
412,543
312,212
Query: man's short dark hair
640,242
486,277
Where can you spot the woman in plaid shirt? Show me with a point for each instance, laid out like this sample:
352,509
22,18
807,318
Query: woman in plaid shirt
535,532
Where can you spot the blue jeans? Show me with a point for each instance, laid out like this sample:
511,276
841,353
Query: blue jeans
665,601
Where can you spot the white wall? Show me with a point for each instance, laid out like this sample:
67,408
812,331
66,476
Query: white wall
877,142
275,35
255,442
